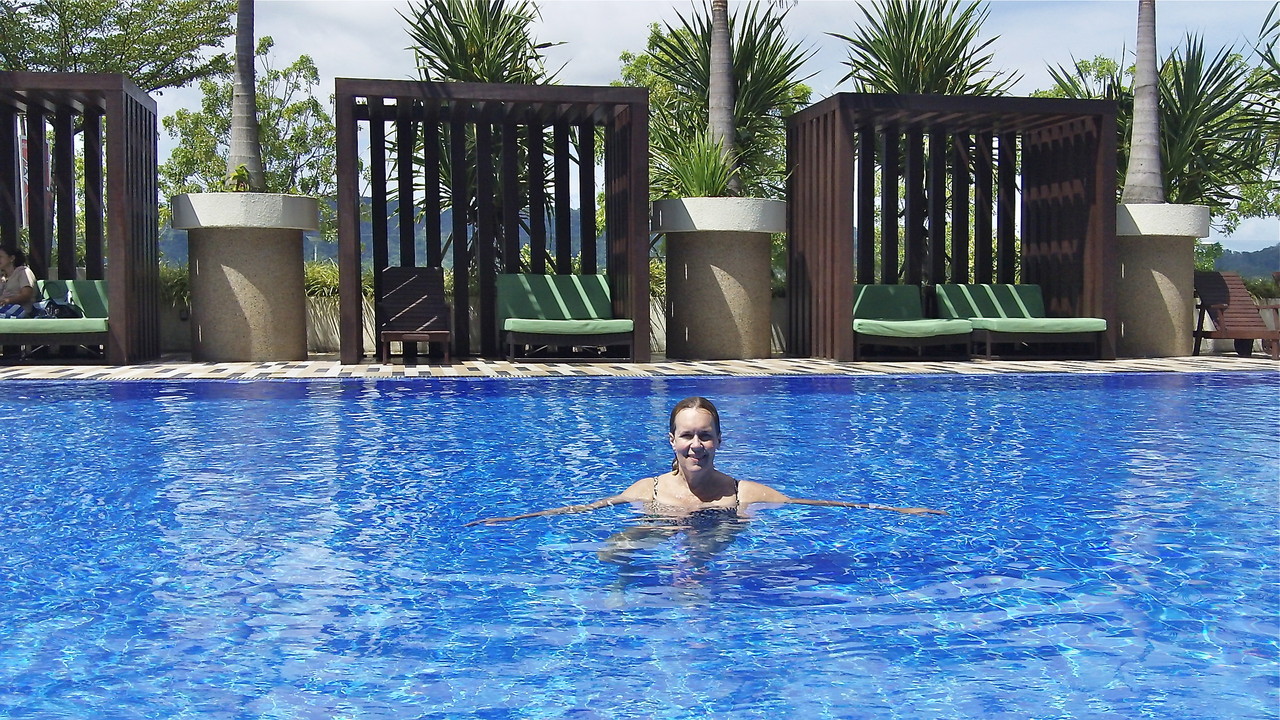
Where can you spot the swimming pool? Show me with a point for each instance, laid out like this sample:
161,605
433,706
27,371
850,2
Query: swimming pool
294,550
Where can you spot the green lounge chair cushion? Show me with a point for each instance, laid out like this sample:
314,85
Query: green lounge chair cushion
896,311
89,295
1040,325
45,326
567,327
1008,308
911,328
554,297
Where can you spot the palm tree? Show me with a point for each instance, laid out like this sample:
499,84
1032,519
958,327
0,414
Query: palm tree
1144,180
720,126
689,160
922,47
244,157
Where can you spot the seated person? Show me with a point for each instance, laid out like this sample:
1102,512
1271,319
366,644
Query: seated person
18,292
694,486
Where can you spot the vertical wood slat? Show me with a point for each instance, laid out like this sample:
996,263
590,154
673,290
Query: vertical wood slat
511,197
10,180
431,139
915,212
39,237
406,131
563,212
347,163
889,169
64,188
984,208
537,200
458,191
378,182
960,209
937,209
587,197
94,208
866,206
486,238
1007,193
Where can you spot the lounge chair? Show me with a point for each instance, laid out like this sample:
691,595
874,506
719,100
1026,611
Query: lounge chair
893,315
1014,314
1223,298
412,308
89,331
574,311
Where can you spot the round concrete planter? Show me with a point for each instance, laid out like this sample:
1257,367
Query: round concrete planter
1155,299
245,257
718,272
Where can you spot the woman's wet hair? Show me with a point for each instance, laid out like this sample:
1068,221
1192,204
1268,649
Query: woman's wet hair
695,402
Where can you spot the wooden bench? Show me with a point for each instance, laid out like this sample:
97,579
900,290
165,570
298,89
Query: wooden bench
559,311
89,331
1004,313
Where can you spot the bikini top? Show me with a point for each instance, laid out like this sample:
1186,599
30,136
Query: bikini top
733,508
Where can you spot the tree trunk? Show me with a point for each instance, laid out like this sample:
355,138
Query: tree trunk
245,146
720,120
1144,178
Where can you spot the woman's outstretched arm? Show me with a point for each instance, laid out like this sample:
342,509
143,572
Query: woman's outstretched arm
868,506
566,510
753,492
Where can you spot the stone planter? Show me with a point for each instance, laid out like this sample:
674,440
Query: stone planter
245,260
1155,294
718,275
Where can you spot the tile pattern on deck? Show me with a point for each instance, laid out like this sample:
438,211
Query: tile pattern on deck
320,367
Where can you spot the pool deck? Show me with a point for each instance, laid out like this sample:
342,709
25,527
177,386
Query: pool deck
327,366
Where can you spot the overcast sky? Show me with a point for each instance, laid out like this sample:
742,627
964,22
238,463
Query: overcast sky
367,39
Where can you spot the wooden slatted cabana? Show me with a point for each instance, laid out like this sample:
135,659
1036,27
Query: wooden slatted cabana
87,114
980,189
510,156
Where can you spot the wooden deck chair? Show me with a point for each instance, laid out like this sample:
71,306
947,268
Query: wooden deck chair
412,308
1223,298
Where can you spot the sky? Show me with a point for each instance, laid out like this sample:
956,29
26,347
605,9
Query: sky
367,39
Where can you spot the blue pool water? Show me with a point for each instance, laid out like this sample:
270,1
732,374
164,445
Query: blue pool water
295,550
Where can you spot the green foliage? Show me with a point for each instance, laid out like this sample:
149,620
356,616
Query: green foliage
689,167
676,68
1207,255
297,131
156,43
486,41
1262,288
237,180
319,279
923,47
1218,126
175,285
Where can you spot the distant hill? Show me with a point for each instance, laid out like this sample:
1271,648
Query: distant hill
1259,263
173,243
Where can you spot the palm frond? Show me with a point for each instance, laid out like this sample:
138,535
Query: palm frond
923,47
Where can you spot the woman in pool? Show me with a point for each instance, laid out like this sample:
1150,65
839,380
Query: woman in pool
694,486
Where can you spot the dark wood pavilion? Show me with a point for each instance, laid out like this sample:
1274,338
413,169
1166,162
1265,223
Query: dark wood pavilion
514,165
87,113
978,189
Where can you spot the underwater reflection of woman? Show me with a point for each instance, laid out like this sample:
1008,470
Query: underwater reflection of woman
693,483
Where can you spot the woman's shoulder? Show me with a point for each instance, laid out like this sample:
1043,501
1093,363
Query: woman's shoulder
642,489
750,491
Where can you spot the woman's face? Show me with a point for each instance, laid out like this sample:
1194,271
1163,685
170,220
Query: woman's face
695,440
6,261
